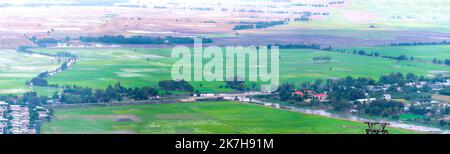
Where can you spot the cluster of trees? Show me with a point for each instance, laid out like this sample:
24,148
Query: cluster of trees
65,54
39,80
42,42
343,92
445,92
237,85
77,95
440,62
176,85
383,108
285,92
257,25
25,49
141,40
322,59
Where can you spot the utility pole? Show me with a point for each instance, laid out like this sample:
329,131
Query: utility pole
377,128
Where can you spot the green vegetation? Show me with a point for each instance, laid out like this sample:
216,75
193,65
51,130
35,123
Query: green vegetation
409,116
217,117
98,68
18,68
425,52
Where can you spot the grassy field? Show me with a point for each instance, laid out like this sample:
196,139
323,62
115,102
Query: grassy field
17,68
217,117
99,68
410,116
426,52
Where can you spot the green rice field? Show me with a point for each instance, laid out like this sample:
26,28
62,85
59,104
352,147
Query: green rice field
197,118
99,68
425,52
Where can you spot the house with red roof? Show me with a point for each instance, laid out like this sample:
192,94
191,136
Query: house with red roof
299,93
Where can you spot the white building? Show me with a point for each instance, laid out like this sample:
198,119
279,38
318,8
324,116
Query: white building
387,97
367,100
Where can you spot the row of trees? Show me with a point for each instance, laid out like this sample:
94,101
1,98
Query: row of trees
419,43
237,85
377,54
296,46
77,95
42,42
40,80
440,62
141,40
257,25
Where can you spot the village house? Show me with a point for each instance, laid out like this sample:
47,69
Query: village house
321,97
3,108
20,123
299,93
387,97
3,125
446,118
43,115
366,100
309,93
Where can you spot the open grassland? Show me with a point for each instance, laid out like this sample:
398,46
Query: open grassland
17,68
424,52
212,117
99,68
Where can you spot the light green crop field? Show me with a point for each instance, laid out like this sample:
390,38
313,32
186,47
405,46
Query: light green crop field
99,68
197,118
425,52
17,68
297,65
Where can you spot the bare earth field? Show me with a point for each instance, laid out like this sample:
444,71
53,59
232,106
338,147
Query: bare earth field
350,23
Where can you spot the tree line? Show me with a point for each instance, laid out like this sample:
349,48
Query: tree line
77,95
419,43
141,40
257,25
